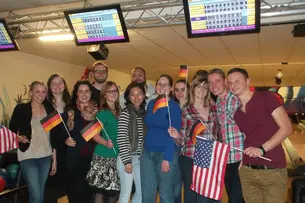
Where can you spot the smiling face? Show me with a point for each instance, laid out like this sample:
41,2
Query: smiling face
180,91
57,86
163,86
83,93
38,93
237,83
217,84
136,96
100,73
112,94
201,91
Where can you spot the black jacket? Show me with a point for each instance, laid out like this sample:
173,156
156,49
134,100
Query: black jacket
21,123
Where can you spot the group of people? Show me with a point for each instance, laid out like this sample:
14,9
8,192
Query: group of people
148,147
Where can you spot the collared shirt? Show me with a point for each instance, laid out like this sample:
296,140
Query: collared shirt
150,94
230,132
189,116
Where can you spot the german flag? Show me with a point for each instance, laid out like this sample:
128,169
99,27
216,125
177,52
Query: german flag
197,129
51,121
93,128
160,102
183,71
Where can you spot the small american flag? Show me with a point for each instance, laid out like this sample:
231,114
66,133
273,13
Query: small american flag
210,161
8,140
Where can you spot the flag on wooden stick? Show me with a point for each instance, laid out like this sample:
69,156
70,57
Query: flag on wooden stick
8,139
92,129
51,121
210,161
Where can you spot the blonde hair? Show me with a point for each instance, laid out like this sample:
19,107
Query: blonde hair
196,82
34,84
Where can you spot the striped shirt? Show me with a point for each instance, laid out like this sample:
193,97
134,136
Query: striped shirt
231,134
123,136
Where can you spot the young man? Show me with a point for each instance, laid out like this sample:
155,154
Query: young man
99,73
227,104
265,124
138,75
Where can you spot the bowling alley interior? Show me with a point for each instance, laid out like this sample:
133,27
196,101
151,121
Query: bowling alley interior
69,39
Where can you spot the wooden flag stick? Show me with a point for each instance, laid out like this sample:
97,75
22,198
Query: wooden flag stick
106,133
62,120
169,114
237,149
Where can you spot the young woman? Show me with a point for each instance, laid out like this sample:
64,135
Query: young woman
181,93
182,97
131,131
35,151
80,111
103,175
198,109
59,96
159,161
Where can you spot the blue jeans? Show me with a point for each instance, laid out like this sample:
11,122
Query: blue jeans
186,167
232,183
178,186
152,176
126,180
35,173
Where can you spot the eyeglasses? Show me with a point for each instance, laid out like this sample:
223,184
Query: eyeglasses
162,85
111,91
100,71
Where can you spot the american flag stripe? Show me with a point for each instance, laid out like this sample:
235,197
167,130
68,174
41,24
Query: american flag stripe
8,140
208,178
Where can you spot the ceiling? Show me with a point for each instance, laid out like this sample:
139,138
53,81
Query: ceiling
162,50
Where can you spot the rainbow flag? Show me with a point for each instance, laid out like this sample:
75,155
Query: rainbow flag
183,71
51,121
161,101
197,129
92,129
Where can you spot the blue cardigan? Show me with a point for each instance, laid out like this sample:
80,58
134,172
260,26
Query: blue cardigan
157,138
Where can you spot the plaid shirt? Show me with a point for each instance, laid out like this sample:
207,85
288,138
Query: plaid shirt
229,130
189,117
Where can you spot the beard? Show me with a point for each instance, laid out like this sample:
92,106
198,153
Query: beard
100,80
142,83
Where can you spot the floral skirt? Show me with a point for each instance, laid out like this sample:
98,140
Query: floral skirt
103,175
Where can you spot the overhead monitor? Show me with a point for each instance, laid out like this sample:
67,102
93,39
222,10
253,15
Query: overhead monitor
221,17
7,42
97,25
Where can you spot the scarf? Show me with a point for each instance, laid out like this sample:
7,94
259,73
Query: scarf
133,126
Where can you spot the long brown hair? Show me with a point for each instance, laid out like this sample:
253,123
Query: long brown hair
104,105
196,82
65,95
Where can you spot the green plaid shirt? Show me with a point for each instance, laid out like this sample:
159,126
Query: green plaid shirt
230,132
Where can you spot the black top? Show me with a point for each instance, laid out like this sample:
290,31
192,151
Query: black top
20,123
96,94
82,148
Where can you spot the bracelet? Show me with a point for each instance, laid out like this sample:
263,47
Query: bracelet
54,162
262,149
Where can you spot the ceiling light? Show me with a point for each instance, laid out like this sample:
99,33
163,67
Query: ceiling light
56,38
279,74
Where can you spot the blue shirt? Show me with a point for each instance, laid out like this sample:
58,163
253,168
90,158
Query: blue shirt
157,138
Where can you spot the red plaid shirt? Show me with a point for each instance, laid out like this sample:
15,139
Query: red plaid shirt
189,117
230,132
